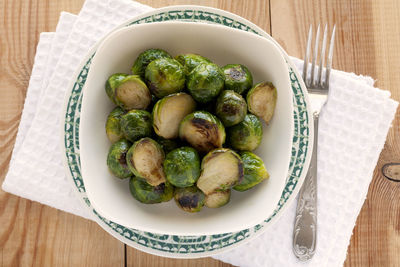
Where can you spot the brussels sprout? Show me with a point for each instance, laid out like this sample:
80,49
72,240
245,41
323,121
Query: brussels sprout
190,199
167,144
136,124
145,159
237,78
132,93
202,130
254,171
145,58
191,61
182,167
246,135
220,170
169,112
148,194
205,82
165,76
262,100
231,108
153,101
113,82
116,159
217,199
113,128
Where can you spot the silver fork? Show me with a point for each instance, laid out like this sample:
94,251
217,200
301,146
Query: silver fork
305,227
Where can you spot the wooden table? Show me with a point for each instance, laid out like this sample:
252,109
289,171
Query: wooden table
368,42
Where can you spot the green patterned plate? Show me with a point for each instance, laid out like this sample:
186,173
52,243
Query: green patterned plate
192,246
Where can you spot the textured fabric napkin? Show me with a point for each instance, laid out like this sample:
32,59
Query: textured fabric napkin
353,128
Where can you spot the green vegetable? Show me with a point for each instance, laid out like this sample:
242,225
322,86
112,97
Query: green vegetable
217,199
220,170
191,61
113,82
136,124
165,76
182,167
116,159
254,171
237,78
169,112
246,135
202,130
205,82
145,58
231,108
262,100
148,194
145,159
190,199
167,144
132,93
113,128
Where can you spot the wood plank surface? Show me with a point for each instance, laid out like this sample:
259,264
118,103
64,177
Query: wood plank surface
368,37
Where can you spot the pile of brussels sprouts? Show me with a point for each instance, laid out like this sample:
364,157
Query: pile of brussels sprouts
182,129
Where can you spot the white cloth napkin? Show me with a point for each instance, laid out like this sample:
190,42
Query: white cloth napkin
353,129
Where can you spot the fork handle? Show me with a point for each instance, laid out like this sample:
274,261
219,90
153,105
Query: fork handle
305,226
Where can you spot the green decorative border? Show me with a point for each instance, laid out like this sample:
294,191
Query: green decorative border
186,244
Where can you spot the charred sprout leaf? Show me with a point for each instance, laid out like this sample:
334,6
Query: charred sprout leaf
113,82
254,171
136,124
165,76
220,170
148,194
231,108
182,167
132,93
116,159
145,159
237,78
167,144
145,58
113,128
262,100
202,130
246,135
217,199
191,61
190,199
169,112
205,82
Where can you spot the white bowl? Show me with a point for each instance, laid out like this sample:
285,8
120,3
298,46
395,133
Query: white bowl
111,197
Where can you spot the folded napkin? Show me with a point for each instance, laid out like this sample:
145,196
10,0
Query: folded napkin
353,128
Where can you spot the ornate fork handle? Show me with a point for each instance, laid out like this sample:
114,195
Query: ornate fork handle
305,227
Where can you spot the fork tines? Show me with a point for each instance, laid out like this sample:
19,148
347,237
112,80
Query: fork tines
320,83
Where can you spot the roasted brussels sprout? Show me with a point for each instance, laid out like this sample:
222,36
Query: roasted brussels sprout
246,135
262,100
237,78
169,112
202,130
254,171
191,61
145,58
145,159
190,199
231,108
116,159
167,144
220,170
182,167
113,128
113,82
205,82
136,124
132,93
148,194
217,199
165,76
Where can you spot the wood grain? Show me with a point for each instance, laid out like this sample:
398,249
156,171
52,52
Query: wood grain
368,40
